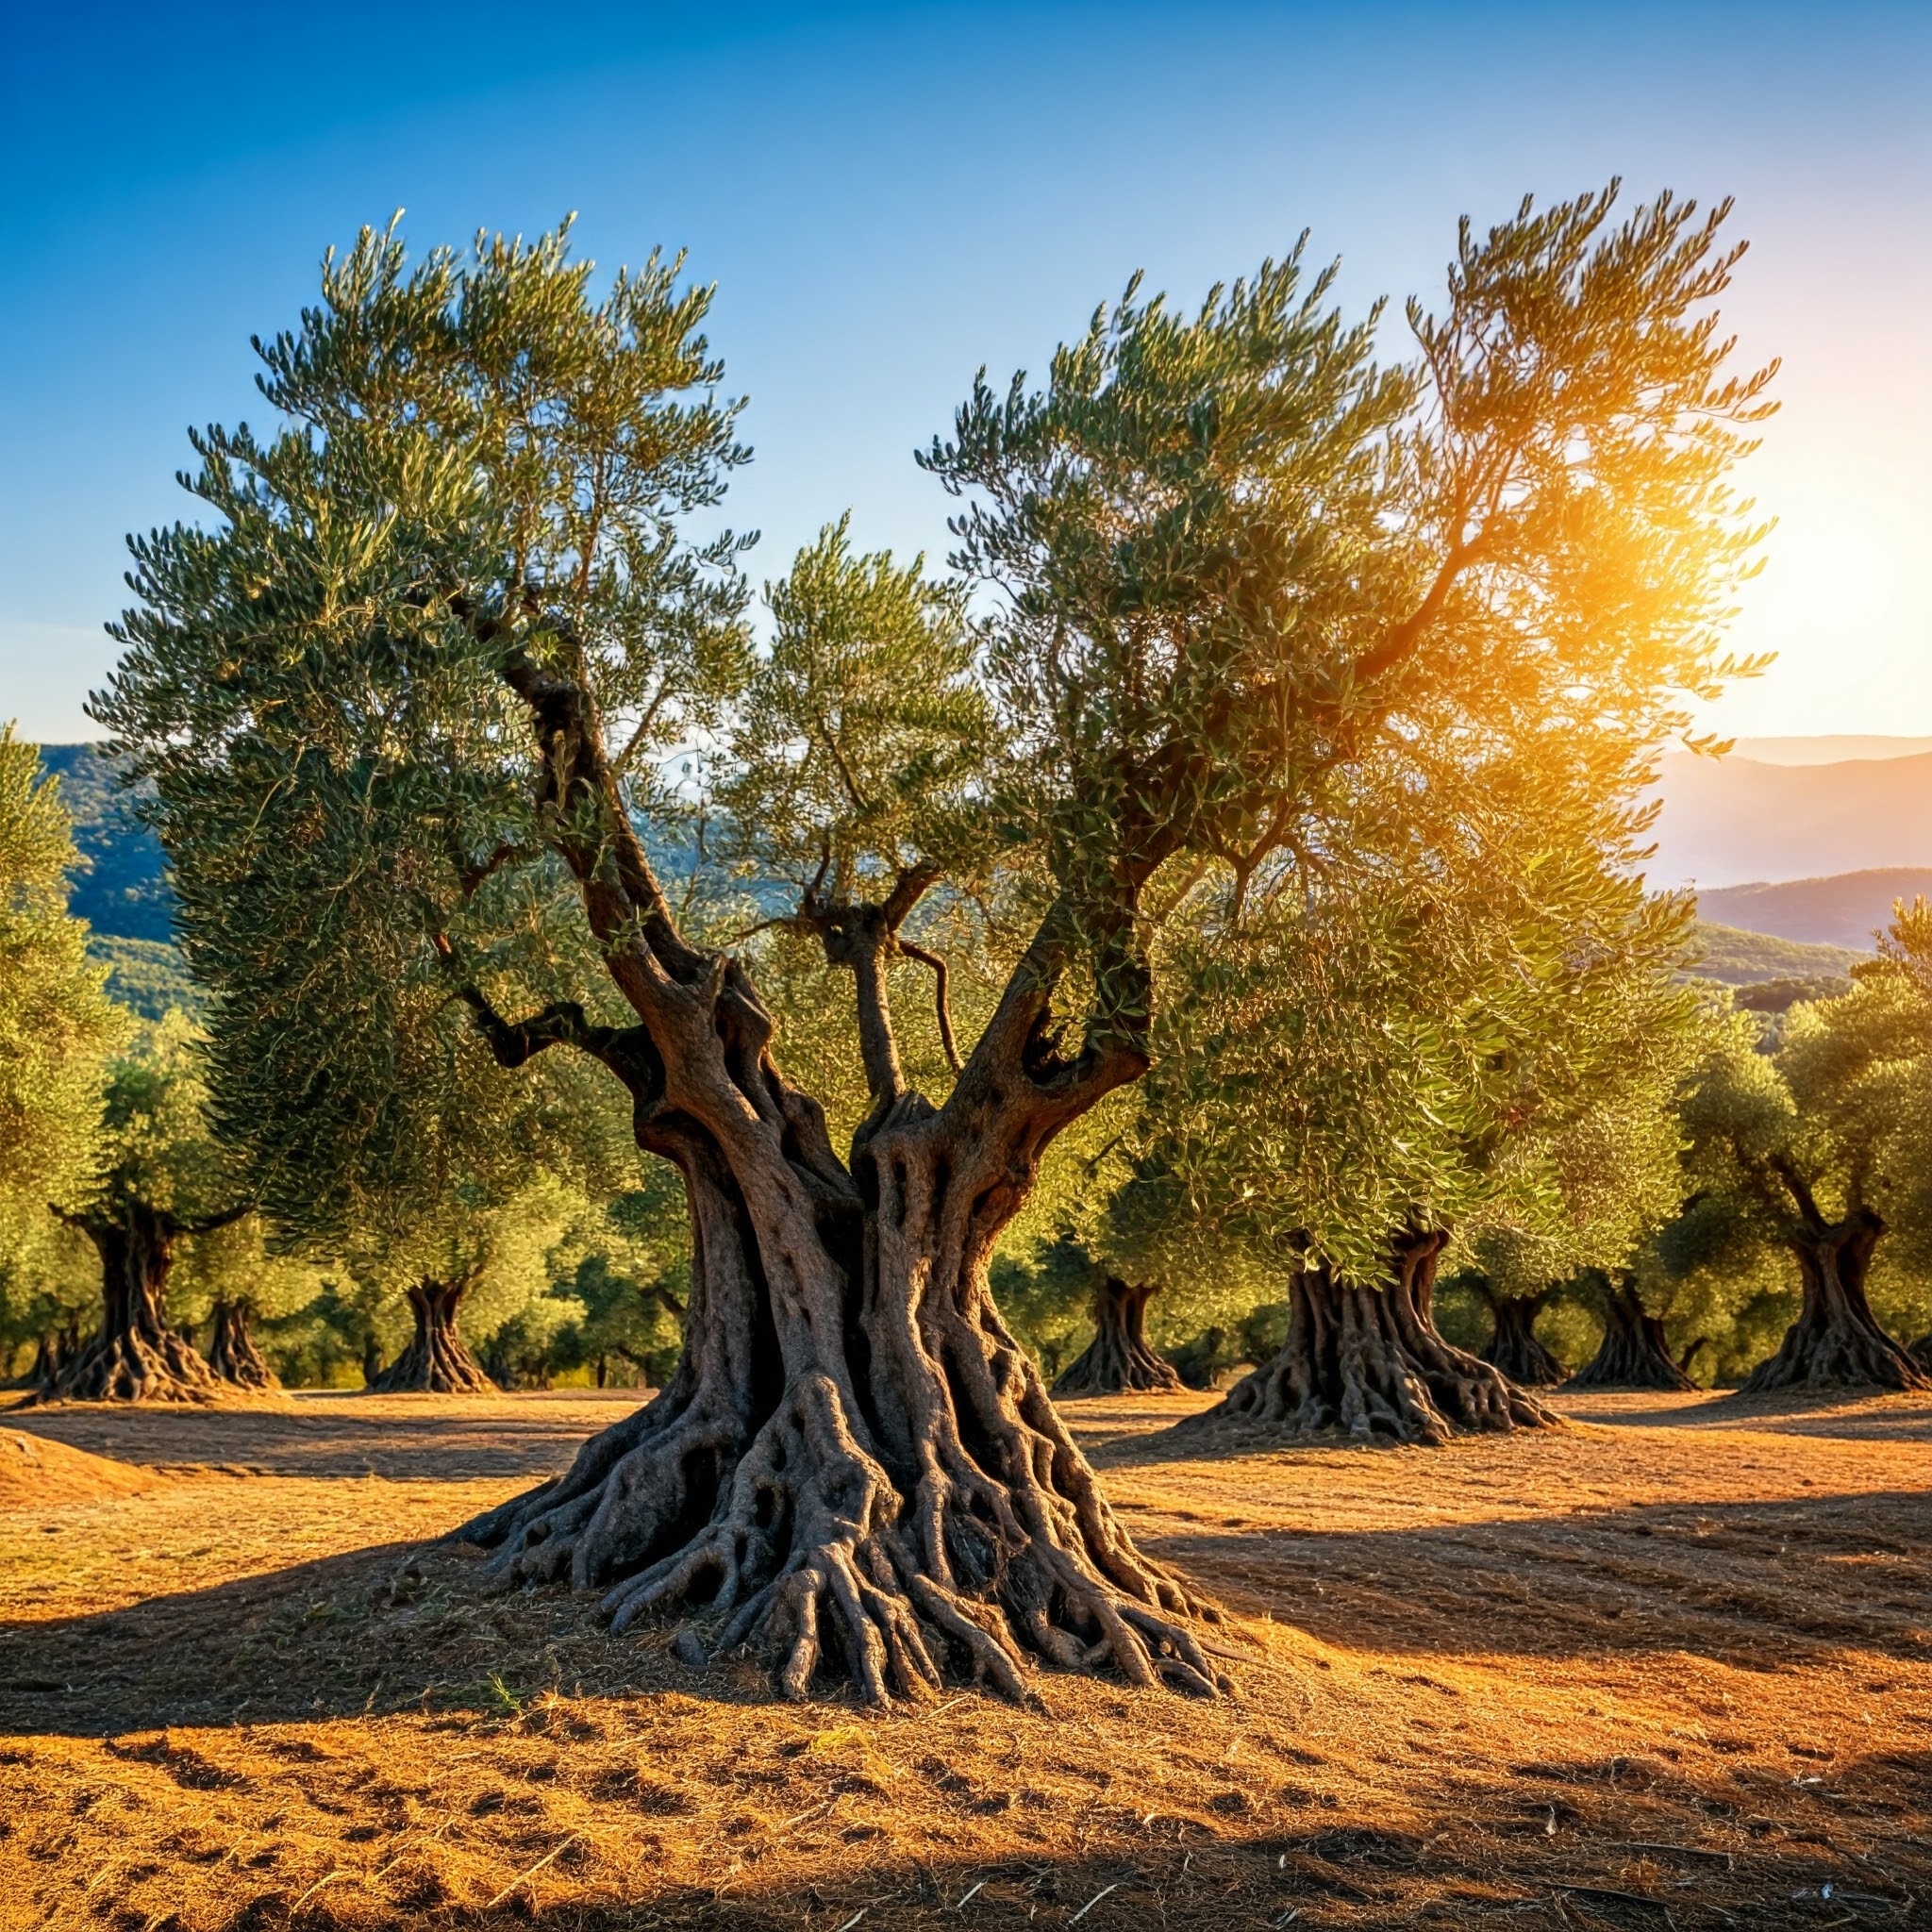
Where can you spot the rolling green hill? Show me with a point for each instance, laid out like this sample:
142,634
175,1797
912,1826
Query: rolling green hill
1738,957
1770,974
146,974
123,891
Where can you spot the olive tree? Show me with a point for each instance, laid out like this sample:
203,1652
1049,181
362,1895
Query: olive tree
1801,1151
1610,1161
437,631
159,1177
1395,1051
57,1024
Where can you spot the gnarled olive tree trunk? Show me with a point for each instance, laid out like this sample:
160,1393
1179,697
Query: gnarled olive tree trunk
1633,1353
855,1462
437,1361
1370,1362
1513,1346
231,1350
1836,1342
1120,1358
137,1357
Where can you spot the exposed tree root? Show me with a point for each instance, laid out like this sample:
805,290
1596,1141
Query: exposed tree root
437,1361
146,1363
231,1350
1120,1358
1836,1342
1369,1363
1514,1348
1633,1354
930,1522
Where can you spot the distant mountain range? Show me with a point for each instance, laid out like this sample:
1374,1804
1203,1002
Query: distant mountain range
1737,820
1829,750
1844,911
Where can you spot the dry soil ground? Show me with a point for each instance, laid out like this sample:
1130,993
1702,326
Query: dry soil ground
1670,1667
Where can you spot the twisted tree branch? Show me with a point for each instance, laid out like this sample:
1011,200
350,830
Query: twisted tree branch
943,1008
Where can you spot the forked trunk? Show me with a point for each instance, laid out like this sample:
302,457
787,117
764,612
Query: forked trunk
1633,1354
1120,1358
1836,1342
231,1350
1513,1346
855,1463
135,1357
437,1361
1370,1362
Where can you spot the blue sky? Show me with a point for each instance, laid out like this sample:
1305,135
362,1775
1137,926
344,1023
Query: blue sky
888,197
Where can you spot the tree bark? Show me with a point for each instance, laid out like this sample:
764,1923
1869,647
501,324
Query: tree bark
437,1361
137,1357
1120,1358
231,1350
1836,1342
1513,1347
1369,1363
1633,1353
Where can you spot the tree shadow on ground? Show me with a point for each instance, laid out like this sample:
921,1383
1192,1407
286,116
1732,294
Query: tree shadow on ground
1133,1436
1851,1416
1758,1584
405,1438
1761,1586
1478,1851
1567,1842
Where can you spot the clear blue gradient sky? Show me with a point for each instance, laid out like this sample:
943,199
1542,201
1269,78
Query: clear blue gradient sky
889,197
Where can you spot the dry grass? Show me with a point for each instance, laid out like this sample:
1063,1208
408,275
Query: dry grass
1671,1667
35,1471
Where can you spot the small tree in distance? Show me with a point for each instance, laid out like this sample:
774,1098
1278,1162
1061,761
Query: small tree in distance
160,1177
57,1030
1801,1150
231,1280
414,667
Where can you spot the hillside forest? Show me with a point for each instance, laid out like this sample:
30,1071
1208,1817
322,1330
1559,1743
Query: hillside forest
1197,934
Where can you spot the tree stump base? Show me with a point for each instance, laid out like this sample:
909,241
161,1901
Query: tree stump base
1120,1359
1369,1364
